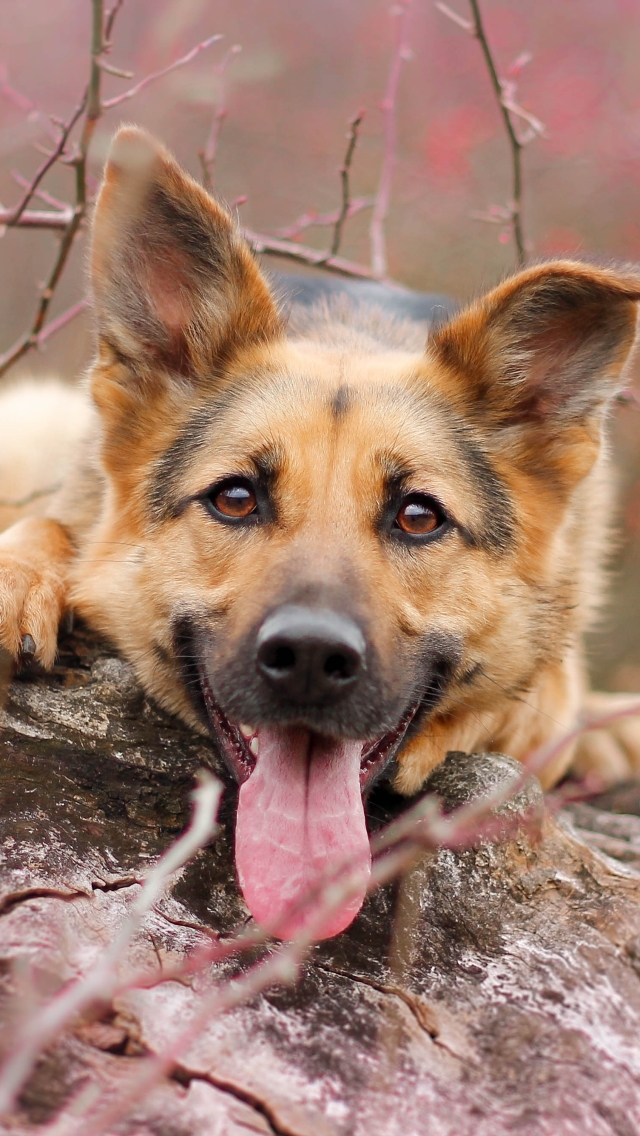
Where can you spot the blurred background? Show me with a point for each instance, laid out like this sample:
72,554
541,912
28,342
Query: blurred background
305,68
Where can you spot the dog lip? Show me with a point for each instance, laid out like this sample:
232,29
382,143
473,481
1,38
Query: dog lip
377,754
232,741
237,749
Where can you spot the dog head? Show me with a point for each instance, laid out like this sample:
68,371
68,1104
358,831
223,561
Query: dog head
323,546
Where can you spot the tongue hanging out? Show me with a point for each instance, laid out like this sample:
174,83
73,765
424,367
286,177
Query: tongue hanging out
300,816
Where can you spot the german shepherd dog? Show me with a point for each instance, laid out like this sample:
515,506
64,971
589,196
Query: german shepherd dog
340,550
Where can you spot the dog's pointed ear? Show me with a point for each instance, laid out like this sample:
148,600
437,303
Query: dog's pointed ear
175,285
541,354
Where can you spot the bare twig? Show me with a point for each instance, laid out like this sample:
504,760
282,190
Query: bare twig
91,104
69,219
400,13
210,152
509,92
504,90
98,985
50,329
514,141
16,97
395,850
312,218
15,214
629,397
110,19
304,254
117,71
456,18
345,168
281,966
26,104
62,320
184,59
37,218
21,502
41,193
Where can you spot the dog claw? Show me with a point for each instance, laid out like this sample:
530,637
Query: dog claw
28,647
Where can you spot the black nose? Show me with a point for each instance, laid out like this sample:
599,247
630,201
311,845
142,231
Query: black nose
310,654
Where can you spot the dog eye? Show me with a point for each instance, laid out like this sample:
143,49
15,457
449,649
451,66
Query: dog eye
419,515
233,500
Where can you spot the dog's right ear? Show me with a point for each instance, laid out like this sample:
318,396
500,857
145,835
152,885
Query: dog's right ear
176,287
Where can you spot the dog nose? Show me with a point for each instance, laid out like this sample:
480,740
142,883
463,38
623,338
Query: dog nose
310,654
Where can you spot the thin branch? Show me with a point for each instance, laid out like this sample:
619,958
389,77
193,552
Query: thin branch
466,25
22,502
304,254
47,331
505,92
98,985
108,103
90,101
110,20
40,193
279,967
117,71
629,397
514,142
70,219
388,106
37,218
312,218
345,169
395,850
209,153
25,104
13,95
62,320
12,216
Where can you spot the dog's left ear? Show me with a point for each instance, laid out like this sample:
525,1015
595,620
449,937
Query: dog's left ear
542,353
176,288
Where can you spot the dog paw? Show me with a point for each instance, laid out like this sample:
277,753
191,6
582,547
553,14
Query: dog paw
33,589
610,752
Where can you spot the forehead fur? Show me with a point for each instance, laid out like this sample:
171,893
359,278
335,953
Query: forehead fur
332,424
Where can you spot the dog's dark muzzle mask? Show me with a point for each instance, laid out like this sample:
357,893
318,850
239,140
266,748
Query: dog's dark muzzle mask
306,724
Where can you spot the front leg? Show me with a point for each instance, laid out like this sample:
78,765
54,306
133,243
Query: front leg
35,555
610,752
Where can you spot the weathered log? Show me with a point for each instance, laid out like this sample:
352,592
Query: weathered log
494,990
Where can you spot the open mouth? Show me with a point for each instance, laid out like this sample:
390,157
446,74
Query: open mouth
240,743
300,815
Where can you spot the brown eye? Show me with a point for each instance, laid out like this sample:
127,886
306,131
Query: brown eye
234,499
418,516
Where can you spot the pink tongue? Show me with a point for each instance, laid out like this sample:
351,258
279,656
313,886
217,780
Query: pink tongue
300,816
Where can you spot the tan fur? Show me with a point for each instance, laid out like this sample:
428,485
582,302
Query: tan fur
41,424
174,335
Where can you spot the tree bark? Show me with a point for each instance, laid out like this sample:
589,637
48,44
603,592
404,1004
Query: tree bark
493,990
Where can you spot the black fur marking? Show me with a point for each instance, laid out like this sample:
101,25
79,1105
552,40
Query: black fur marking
162,656
168,222
341,402
165,501
185,661
439,659
267,463
470,675
498,529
